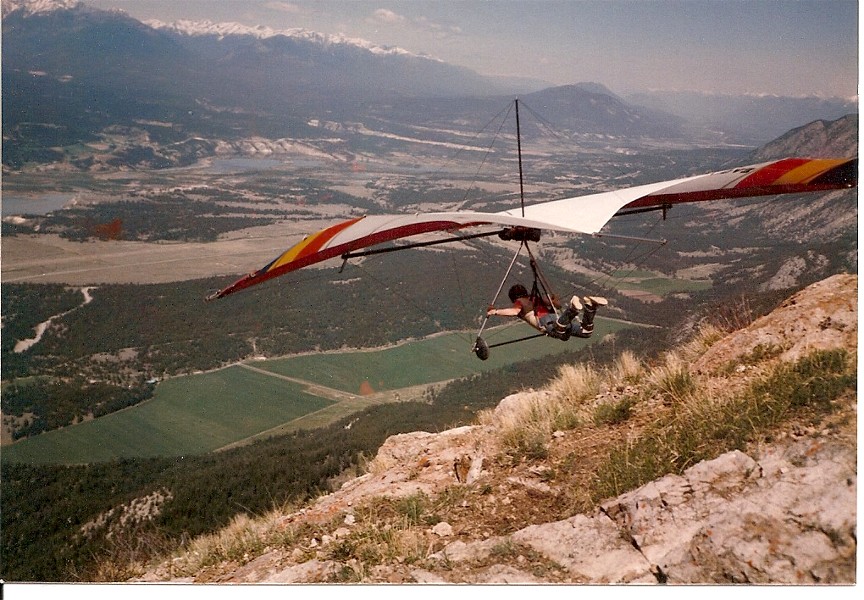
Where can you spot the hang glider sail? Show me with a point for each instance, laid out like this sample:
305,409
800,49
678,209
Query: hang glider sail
582,214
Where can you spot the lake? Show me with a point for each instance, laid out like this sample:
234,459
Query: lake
37,204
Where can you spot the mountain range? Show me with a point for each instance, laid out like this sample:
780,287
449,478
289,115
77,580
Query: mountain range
73,74
748,118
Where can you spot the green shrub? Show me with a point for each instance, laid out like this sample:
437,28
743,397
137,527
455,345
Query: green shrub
614,413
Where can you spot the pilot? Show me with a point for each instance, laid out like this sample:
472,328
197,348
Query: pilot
537,312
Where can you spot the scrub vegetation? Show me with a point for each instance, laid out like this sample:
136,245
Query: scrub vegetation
43,539
673,423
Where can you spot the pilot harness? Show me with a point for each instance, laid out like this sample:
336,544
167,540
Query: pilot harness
541,293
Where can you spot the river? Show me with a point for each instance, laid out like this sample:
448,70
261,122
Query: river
41,328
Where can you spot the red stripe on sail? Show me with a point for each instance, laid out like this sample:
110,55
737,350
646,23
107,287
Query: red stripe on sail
370,240
771,173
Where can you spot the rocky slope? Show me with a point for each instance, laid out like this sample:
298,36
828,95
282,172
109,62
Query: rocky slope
463,506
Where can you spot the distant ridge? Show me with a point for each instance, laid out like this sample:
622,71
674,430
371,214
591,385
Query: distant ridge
222,30
819,138
73,73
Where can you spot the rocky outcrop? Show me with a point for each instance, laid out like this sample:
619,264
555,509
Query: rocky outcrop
788,516
823,316
779,511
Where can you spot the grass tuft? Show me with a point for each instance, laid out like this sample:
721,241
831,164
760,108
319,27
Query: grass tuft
626,369
700,427
614,413
569,403
672,380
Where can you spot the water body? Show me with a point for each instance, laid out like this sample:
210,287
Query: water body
38,204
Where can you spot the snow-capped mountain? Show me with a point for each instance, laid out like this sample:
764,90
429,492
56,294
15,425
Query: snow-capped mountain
33,7
295,64
71,72
227,29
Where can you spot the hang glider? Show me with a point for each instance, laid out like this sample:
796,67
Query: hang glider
581,215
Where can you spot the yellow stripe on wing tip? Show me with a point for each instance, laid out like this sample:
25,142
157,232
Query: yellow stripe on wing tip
809,171
297,250
291,253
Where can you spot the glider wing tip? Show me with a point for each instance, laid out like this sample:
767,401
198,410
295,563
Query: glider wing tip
216,295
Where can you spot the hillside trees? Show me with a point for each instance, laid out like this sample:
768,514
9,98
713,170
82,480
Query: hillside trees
207,491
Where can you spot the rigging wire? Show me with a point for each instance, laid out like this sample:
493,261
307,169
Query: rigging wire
519,150
606,278
554,131
501,287
466,334
486,154
437,173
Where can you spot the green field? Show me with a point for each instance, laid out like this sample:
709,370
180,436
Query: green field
205,412
187,415
438,358
656,283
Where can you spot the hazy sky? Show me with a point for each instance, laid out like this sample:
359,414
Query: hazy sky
790,47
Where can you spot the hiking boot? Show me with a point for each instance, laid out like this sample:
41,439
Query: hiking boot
586,330
569,313
593,302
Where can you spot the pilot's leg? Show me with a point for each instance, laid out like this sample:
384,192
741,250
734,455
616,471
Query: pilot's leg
552,327
569,313
592,303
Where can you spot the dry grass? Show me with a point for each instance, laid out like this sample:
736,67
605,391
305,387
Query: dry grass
672,380
699,426
631,424
627,369
240,541
707,335
385,531
572,399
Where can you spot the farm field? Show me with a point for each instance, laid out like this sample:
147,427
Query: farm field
219,409
437,358
188,415
654,285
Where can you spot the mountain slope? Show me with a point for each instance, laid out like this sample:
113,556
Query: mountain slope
533,493
821,219
72,73
747,118
177,91
592,108
775,242
819,138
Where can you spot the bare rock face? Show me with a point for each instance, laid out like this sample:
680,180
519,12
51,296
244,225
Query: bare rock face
590,547
788,518
823,316
408,464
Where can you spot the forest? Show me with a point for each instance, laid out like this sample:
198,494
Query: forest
45,507
104,353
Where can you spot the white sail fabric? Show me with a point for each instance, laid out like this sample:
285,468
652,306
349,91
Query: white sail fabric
581,214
